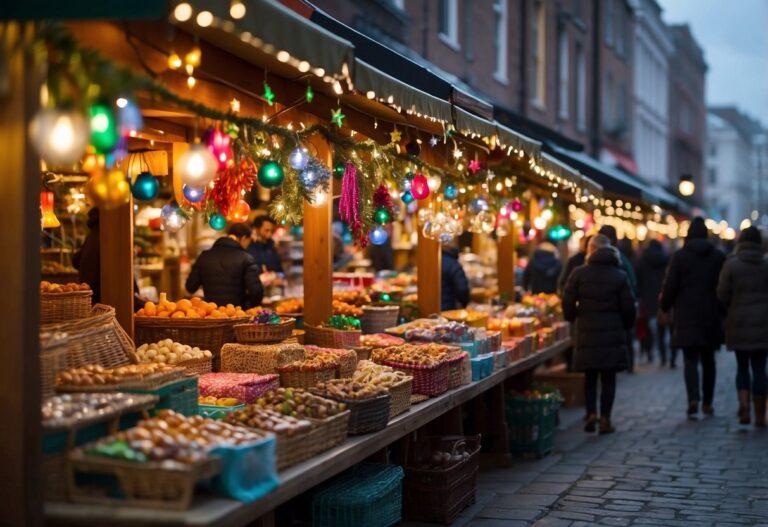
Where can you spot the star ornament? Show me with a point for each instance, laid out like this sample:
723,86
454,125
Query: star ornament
337,117
269,95
395,136
474,166
433,141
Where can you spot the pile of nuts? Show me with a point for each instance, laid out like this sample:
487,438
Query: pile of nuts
299,403
319,361
170,352
254,416
371,373
72,407
347,389
95,375
416,355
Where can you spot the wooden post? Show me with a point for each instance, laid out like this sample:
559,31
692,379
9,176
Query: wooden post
505,263
116,239
318,251
20,450
429,269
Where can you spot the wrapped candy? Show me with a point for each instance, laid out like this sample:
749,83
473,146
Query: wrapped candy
246,387
343,323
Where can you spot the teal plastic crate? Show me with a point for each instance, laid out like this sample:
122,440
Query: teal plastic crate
531,424
369,495
248,472
482,367
179,396
217,412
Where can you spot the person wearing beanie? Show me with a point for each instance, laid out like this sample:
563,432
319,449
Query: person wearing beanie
690,293
743,291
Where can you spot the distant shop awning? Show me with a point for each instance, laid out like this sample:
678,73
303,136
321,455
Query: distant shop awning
569,173
387,88
470,124
509,138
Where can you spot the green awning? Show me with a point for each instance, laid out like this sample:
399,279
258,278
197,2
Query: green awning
509,138
469,124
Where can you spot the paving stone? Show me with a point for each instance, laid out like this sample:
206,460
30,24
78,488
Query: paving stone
509,514
545,488
523,500
552,522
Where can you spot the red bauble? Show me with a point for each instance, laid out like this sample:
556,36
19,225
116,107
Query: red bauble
239,212
219,145
420,187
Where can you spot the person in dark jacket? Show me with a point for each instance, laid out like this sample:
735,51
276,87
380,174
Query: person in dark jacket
543,270
690,292
743,291
454,287
226,272
599,300
262,248
651,267
577,260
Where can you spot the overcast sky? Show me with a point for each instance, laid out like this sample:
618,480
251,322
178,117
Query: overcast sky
735,43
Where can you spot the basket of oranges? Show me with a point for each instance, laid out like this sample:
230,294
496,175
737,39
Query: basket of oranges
193,322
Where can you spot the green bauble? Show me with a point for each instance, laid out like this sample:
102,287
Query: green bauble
338,170
381,216
271,174
217,222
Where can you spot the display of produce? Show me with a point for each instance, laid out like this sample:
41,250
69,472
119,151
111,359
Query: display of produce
380,340
64,409
451,332
354,298
71,287
245,387
318,361
378,375
344,309
470,316
419,323
210,400
265,317
343,322
290,307
299,403
95,375
191,308
348,389
54,267
412,354
170,352
254,416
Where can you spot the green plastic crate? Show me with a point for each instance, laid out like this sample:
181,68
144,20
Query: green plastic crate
369,495
531,424
179,396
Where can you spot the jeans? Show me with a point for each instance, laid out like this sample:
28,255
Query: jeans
758,384
607,392
692,358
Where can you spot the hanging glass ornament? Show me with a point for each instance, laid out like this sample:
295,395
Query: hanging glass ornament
517,205
434,181
478,205
59,136
110,189
217,221
220,147
319,196
239,212
48,219
406,197
128,117
420,187
381,216
271,174
299,158
450,191
193,194
172,218
146,187
338,169
424,215
407,184
197,166
104,134
413,148
378,235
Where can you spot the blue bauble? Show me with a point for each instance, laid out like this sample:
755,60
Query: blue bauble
308,178
407,197
450,191
217,222
478,205
378,235
129,118
146,187
298,159
193,194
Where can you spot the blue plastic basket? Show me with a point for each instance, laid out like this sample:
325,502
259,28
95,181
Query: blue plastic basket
369,495
248,472
531,424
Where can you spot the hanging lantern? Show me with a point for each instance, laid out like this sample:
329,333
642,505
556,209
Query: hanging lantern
219,145
48,219
197,166
104,134
450,191
59,136
193,194
239,213
271,174
172,218
381,216
407,197
146,187
434,181
109,190
378,235
299,158
420,187
217,222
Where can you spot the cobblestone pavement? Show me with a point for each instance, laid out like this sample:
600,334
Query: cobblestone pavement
658,469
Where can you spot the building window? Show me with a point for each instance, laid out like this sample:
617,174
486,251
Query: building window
609,22
712,176
538,50
562,73
448,22
500,39
608,105
686,118
581,88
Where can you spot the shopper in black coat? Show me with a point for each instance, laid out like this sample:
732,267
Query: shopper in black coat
743,291
599,299
543,270
651,267
454,287
227,273
577,260
690,292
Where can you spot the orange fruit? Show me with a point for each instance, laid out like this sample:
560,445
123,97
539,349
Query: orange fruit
141,313
196,301
183,305
192,313
151,309
171,306
163,314
231,310
201,312
179,314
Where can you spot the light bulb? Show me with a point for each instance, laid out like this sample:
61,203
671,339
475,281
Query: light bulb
59,136
540,223
237,9
319,197
197,166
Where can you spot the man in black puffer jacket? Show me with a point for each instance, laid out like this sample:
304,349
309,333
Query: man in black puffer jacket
227,273
599,299
690,291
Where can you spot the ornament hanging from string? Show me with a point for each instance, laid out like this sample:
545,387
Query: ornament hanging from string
349,204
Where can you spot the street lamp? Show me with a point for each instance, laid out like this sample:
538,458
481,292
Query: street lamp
686,187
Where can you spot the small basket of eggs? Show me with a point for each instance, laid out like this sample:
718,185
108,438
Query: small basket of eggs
193,359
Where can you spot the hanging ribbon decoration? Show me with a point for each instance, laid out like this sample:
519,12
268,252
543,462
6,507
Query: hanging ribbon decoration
349,204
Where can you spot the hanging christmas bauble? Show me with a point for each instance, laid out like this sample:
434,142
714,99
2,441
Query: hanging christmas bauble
217,222
197,166
145,187
338,169
407,197
517,205
434,181
407,183
381,216
308,178
319,196
239,213
450,191
413,148
59,136
478,205
128,117
172,218
420,187
219,145
104,134
271,174
193,194
109,189
299,158
378,235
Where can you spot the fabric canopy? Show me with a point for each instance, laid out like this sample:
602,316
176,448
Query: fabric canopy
508,137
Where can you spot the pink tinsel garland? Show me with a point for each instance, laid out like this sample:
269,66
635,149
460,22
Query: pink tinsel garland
349,203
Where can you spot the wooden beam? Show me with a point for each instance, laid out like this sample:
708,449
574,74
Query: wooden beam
429,271
20,451
116,239
506,262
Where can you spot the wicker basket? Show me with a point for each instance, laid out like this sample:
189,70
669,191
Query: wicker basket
363,353
429,381
53,359
456,369
376,319
58,307
148,382
258,358
324,435
366,415
331,338
347,359
401,397
306,379
258,333
196,366
140,484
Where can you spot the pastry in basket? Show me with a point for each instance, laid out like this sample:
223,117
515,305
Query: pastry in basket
71,287
380,340
378,375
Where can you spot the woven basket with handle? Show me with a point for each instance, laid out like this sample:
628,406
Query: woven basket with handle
58,307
